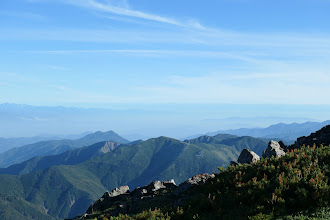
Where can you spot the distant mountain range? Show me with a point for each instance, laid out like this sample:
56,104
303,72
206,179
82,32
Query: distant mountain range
9,143
285,132
70,157
138,122
64,185
53,147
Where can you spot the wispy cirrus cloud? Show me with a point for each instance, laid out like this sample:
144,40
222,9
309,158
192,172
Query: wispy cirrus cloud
154,53
125,10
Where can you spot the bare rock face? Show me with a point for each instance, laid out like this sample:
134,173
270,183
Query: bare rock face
107,199
108,147
273,149
119,191
248,156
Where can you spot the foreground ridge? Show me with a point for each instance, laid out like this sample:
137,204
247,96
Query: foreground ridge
123,201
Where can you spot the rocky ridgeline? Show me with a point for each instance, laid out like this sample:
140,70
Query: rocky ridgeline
320,137
123,201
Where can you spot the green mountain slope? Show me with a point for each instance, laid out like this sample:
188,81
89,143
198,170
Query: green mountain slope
70,157
67,190
239,143
9,143
44,148
54,192
255,144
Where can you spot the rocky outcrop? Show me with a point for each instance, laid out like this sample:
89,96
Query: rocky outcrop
194,181
151,189
107,147
108,199
320,137
248,156
155,195
273,149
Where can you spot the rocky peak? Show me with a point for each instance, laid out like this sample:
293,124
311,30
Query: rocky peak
273,149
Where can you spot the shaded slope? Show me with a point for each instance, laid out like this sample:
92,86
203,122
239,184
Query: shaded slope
55,192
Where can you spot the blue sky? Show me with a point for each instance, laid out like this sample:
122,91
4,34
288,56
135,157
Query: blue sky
103,52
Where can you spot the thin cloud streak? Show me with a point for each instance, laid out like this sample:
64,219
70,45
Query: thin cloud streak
183,53
280,43
109,8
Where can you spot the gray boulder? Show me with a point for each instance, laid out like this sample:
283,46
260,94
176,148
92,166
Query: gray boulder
194,181
248,156
273,149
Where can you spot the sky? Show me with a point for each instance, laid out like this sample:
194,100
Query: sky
188,66
99,52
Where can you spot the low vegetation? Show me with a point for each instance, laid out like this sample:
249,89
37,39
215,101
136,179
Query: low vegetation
295,186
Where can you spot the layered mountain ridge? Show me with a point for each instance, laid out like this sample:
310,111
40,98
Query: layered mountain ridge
64,185
277,186
53,147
